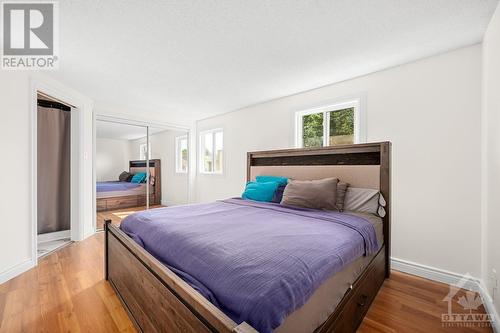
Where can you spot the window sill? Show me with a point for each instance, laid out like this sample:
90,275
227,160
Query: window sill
211,173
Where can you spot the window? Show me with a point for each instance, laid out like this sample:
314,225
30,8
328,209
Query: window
143,150
211,151
181,154
328,126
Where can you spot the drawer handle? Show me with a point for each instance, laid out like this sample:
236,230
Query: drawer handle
362,302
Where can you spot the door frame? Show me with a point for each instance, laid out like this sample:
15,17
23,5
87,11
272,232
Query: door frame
80,107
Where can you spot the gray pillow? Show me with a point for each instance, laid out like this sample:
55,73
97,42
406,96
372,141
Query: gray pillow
316,194
123,176
361,200
341,190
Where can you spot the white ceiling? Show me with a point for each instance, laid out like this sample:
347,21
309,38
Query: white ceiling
186,60
119,131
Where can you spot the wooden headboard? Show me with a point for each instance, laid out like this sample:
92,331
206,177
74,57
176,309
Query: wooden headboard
154,171
361,165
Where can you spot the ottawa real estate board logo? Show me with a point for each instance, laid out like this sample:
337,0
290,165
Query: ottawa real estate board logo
465,307
30,35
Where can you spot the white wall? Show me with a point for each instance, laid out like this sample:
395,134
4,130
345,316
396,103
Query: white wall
491,122
15,203
430,110
174,185
111,158
17,92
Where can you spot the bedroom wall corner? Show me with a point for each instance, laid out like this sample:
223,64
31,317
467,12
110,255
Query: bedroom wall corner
192,168
491,161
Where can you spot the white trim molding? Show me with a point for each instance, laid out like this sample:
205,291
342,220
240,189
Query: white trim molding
131,120
81,106
81,156
490,306
434,274
16,270
52,236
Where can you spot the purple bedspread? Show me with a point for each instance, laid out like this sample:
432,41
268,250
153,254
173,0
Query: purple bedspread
257,262
115,186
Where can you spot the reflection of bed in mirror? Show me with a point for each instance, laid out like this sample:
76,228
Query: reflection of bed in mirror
113,195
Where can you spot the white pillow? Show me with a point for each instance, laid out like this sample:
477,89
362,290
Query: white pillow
362,200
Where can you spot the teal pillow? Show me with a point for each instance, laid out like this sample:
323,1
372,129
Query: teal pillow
139,177
259,191
265,179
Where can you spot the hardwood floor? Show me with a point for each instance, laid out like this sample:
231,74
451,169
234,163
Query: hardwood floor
407,303
66,293
116,216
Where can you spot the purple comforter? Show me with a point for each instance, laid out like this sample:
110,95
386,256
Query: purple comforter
257,262
115,186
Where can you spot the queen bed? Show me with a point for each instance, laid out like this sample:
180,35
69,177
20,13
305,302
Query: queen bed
111,195
244,266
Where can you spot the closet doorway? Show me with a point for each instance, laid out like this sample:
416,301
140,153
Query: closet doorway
53,174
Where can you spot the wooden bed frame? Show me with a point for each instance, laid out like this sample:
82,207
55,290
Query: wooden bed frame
127,201
157,300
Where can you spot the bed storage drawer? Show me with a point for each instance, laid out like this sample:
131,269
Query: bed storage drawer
101,205
121,202
113,203
359,299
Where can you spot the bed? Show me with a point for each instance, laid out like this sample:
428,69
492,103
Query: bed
112,195
161,298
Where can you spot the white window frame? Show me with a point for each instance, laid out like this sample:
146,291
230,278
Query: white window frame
359,132
178,156
201,166
141,150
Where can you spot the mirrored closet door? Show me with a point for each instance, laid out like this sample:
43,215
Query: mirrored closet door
120,169
138,168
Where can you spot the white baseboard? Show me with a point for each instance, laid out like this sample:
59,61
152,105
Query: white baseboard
443,276
490,306
16,270
434,274
52,236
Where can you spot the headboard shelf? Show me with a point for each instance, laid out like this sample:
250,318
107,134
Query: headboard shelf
368,158
142,163
341,149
